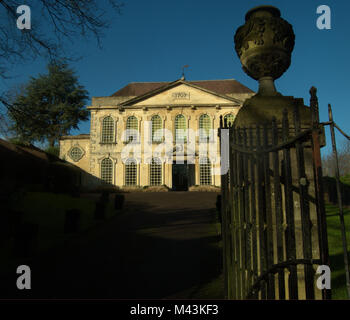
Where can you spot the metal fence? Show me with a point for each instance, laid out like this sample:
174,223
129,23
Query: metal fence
273,216
339,193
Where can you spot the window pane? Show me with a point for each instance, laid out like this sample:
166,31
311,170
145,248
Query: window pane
131,129
204,171
204,127
157,133
76,154
107,130
130,172
107,170
180,128
155,172
229,119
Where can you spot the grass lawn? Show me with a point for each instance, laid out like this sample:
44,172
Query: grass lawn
345,179
336,249
214,289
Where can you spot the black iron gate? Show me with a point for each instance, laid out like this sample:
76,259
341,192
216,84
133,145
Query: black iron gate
273,216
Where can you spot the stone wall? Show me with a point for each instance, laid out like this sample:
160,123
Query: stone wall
67,143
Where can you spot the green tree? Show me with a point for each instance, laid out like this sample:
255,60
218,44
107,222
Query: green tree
49,106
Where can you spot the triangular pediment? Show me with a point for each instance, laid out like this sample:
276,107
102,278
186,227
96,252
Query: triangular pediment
181,93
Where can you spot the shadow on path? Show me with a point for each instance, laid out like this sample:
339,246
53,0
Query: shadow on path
163,244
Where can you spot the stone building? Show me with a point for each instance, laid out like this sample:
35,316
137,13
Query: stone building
157,133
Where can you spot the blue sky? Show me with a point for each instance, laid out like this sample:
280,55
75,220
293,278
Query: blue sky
153,39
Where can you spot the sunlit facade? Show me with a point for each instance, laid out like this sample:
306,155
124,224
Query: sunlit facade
157,133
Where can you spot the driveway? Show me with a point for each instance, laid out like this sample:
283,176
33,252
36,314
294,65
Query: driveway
163,245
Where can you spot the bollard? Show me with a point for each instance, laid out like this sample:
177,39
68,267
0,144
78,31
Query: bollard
119,201
71,222
25,240
10,221
104,196
100,210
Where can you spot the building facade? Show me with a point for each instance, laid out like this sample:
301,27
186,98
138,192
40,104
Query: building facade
157,133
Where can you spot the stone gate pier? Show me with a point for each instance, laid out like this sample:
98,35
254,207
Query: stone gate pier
274,227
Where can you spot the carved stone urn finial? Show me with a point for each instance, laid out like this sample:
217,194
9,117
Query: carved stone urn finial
264,45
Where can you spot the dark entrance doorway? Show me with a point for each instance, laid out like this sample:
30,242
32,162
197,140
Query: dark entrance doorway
180,176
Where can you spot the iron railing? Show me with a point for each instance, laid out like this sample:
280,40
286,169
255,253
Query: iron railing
273,215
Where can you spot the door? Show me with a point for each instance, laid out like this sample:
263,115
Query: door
180,177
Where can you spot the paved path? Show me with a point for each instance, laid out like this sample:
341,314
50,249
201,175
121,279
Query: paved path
163,245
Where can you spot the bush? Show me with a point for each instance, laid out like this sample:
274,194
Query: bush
19,142
162,188
204,188
330,190
133,189
55,151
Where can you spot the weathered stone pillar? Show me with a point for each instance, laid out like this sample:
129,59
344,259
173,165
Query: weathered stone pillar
264,45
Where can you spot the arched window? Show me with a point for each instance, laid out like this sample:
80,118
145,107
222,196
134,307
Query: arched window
107,135
180,128
204,171
130,172
155,172
157,127
204,127
132,127
107,170
229,119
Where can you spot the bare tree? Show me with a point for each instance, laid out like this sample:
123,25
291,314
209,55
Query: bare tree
8,99
345,157
328,163
54,24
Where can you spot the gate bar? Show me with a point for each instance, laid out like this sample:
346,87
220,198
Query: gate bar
340,204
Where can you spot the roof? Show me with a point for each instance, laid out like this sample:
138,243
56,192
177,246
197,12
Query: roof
227,86
78,136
